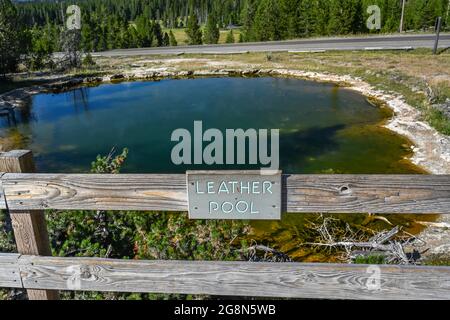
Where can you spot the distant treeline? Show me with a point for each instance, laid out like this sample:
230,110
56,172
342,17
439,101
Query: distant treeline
108,24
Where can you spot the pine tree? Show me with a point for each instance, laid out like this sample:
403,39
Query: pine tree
158,34
133,37
358,17
390,13
230,37
212,33
306,18
113,31
144,31
343,16
123,38
41,50
102,44
291,15
86,38
193,31
432,9
11,37
88,61
321,12
268,21
248,20
166,40
172,40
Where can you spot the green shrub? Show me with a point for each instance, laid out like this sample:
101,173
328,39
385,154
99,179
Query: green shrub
370,259
88,61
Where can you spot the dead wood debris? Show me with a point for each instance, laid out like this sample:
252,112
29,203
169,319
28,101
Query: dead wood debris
261,253
388,244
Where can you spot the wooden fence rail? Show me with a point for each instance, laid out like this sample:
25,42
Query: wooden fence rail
263,279
167,192
25,195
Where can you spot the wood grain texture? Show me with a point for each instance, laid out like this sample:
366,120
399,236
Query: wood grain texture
30,227
17,161
368,193
30,230
96,191
167,192
9,271
301,280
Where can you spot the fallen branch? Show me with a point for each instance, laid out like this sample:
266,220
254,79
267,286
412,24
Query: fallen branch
388,244
382,237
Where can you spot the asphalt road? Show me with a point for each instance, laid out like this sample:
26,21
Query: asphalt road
395,42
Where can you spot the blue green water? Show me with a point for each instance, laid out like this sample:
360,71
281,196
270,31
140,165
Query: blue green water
323,128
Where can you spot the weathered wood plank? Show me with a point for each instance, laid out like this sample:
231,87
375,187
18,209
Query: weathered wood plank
96,191
302,280
301,193
17,161
368,193
9,271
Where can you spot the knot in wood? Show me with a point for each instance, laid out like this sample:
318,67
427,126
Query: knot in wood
85,272
345,189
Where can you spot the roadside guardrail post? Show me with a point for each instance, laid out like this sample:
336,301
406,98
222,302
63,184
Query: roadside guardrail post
438,31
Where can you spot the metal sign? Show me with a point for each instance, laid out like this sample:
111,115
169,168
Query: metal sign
247,195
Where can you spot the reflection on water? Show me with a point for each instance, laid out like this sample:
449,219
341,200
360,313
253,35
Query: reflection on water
8,115
80,98
79,102
323,128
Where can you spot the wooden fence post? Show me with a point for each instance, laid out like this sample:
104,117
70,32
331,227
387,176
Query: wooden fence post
30,228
